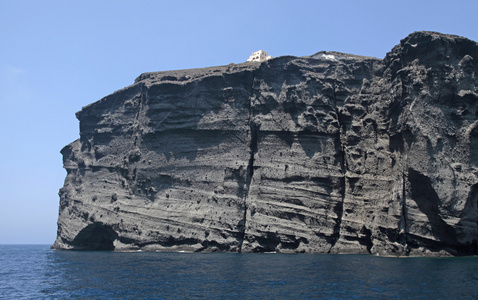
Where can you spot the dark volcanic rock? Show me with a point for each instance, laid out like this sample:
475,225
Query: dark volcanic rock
331,153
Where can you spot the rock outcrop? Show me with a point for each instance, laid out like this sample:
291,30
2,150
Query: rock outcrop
330,153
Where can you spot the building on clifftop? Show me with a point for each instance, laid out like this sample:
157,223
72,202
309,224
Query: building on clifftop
260,55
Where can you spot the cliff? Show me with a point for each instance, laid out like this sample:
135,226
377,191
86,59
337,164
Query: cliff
330,153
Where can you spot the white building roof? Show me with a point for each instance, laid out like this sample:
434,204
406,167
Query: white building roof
260,55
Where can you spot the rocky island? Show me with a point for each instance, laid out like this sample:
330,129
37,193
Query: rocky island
329,153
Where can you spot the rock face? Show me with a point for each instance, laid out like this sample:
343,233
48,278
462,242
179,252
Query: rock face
331,153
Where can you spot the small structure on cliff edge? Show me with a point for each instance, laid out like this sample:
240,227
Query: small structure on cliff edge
260,55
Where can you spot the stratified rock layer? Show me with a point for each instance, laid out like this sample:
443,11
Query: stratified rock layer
331,153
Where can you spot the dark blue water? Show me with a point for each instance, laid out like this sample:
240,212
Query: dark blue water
35,272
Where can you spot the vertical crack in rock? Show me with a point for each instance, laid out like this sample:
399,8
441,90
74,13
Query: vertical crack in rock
134,152
339,207
253,128
403,228
137,122
250,175
341,136
253,151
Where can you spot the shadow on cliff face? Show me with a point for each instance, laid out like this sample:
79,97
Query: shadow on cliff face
428,202
96,236
474,147
467,228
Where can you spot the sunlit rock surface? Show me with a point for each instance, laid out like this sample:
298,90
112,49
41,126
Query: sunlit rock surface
330,153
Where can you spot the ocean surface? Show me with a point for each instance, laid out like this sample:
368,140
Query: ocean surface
36,272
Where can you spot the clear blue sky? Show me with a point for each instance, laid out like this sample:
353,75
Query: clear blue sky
57,56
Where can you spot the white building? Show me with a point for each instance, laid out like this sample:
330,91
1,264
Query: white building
260,55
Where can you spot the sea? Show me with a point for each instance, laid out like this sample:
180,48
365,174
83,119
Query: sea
36,272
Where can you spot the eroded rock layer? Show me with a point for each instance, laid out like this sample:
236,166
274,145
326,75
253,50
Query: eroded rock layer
331,153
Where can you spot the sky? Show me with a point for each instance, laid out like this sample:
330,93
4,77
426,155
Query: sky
58,56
